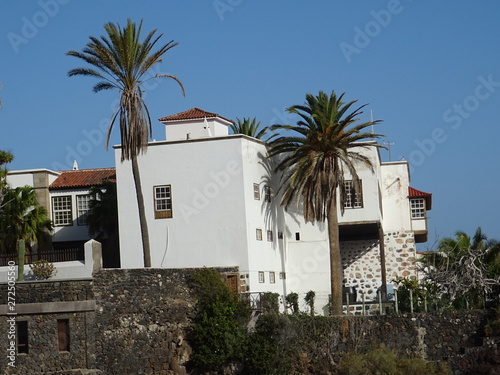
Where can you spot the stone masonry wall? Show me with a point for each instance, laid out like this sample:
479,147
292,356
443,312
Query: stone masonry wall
43,338
361,262
142,318
400,255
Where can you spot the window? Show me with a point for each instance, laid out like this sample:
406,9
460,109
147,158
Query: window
22,337
417,208
163,201
61,210
261,277
258,234
256,192
280,235
282,275
83,208
272,277
267,193
297,236
63,334
353,200
270,235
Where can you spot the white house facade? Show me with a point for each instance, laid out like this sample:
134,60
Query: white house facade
211,200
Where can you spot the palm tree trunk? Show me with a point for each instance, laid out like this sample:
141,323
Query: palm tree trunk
336,271
142,213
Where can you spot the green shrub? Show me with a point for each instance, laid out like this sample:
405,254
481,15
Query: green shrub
270,302
309,298
218,336
268,350
383,361
292,300
43,269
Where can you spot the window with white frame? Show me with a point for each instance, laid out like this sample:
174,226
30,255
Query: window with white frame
261,277
270,235
163,201
258,234
83,208
353,199
256,192
61,210
272,277
417,208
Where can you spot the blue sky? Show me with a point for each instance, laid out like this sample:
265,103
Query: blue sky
430,70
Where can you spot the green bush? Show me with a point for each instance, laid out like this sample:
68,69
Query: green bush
218,336
268,351
43,269
309,298
383,361
270,302
292,300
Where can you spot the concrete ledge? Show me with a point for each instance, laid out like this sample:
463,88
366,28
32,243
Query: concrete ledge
49,307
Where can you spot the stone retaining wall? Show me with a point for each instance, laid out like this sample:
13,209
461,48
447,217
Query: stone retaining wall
142,316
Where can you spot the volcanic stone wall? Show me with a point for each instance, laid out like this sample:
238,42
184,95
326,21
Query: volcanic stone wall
141,318
362,266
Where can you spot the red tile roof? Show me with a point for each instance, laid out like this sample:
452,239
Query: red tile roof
84,178
191,114
414,193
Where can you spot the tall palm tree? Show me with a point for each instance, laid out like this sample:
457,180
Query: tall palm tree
249,127
121,61
326,144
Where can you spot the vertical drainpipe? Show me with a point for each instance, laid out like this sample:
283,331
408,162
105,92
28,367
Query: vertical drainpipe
382,262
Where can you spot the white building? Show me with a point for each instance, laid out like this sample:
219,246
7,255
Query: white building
211,201
66,197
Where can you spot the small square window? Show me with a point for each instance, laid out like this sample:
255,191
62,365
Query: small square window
22,337
280,235
256,192
261,277
63,334
258,234
270,236
272,277
282,275
297,236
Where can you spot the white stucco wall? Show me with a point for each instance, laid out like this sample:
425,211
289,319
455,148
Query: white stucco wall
25,177
395,179
195,129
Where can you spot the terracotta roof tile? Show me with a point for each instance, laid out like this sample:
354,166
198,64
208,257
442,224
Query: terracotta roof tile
84,178
414,193
191,114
